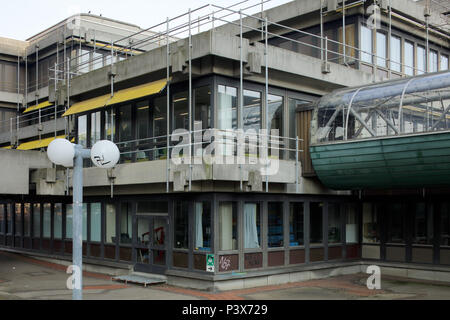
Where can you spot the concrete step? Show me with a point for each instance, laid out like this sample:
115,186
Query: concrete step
141,278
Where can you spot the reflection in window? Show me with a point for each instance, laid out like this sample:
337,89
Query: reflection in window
396,218
296,216
36,220
57,221
126,223
160,126
143,234
8,219
252,110
433,61
143,130
421,60
2,218
69,221
423,225
26,220
95,127
110,223
351,223
334,223
228,225
125,133
46,221
366,44
82,131
202,107
110,115
18,219
96,222
252,226
315,224
445,224
444,62
396,54
276,113
371,232
181,225
381,49
409,58
275,224
202,226
181,110
227,107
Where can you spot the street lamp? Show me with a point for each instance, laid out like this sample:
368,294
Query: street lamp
104,154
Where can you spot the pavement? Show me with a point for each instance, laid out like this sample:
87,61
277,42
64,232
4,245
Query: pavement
23,277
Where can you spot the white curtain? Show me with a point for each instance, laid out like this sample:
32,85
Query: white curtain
226,226
251,240
198,225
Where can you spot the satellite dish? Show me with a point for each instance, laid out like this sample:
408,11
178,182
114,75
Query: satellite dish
61,152
105,154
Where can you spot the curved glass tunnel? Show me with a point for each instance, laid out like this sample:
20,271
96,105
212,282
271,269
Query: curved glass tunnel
394,134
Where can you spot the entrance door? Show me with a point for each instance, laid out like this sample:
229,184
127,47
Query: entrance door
151,247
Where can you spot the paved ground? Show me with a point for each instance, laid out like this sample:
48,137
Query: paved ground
25,278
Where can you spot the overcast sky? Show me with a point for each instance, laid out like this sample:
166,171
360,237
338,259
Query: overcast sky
22,19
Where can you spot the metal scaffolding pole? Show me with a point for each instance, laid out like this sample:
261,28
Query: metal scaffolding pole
241,94
190,101
56,84
168,110
344,49
389,42
266,58
321,30
37,89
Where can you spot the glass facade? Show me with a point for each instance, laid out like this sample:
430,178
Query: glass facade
396,54
58,221
316,223
227,107
366,44
228,234
409,58
275,236
181,225
252,226
202,226
296,225
252,110
334,223
381,49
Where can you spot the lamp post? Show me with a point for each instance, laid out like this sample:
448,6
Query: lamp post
104,154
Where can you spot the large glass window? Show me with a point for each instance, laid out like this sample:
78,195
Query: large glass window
69,221
444,62
110,223
181,225
275,225
97,60
252,226
421,60
423,225
227,108
366,44
57,221
160,126
396,220
334,223
381,49
434,61
143,130
96,222
296,223
351,223
409,58
396,54
228,226
9,219
445,224
252,110
2,218
316,223
125,132
47,222
36,220
82,131
371,225
110,133
276,113
181,110
202,106
95,127
18,219
202,226
126,223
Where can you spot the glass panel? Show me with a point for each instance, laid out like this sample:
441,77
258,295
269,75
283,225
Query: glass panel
96,222
351,224
293,105
252,110
18,219
276,113
47,220
366,44
381,49
160,127
423,225
159,257
181,225
252,226
203,106
85,221
202,226
433,61
126,223
421,60
97,60
2,219
396,54
57,220
84,58
334,223
125,133
159,231
110,116
143,234
445,224
227,108
228,225
82,131
315,225
371,232
36,220
181,110
409,58
9,219
95,127
444,62
152,208
296,223
143,130
110,223
275,225
396,231
69,221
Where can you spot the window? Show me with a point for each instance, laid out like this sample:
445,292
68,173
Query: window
95,127
202,107
82,131
228,226
181,225
423,225
96,222
371,231
315,223
227,108
396,218
434,61
46,222
8,219
125,132
202,226
110,115
275,224
445,224
351,224
276,113
396,54
252,110
409,58
36,220
97,60
2,218
69,221
160,126
293,133
84,57
334,223
381,49
444,62
143,130
110,223
296,223
421,60
126,223
18,219
366,44
57,221
181,110
252,226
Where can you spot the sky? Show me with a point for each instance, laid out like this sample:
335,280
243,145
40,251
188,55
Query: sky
22,19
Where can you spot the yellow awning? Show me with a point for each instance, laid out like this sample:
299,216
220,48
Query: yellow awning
9,147
38,106
38,144
129,94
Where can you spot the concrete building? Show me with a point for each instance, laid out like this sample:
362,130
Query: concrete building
337,79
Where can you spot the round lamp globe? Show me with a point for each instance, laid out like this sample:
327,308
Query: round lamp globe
105,154
61,152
